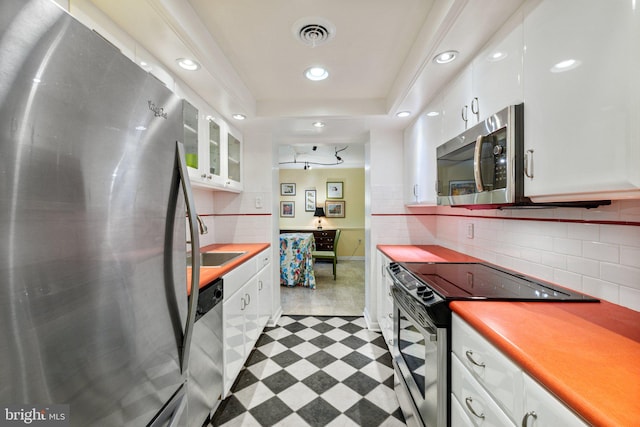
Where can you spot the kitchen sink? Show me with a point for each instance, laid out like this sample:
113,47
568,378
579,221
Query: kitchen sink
216,258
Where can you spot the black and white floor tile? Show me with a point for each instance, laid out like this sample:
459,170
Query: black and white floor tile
314,371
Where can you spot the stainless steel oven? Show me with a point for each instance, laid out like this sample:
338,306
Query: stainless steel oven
420,362
422,329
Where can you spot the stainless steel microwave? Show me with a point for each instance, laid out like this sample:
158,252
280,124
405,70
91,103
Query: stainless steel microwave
482,167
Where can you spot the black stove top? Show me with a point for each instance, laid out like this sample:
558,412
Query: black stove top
481,281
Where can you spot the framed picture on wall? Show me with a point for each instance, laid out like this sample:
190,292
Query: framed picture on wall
334,209
335,190
287,209
288,189
309,200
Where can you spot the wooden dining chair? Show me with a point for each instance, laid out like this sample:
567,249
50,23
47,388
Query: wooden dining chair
331,255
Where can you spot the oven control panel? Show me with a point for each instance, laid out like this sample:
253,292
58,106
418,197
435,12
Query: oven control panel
418,299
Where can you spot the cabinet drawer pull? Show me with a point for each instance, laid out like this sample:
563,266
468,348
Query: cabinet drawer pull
525,419
469,354
243,304
468,401
259,285
248,298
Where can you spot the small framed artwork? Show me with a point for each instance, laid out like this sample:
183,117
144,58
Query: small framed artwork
309,200
287,209
334,209
458,188
335,190
288,189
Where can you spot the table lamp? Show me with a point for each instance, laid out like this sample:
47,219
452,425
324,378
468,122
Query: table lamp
319,213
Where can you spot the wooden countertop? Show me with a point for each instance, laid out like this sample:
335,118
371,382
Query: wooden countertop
209,274
586,354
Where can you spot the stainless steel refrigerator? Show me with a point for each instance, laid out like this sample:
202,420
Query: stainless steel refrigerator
94,311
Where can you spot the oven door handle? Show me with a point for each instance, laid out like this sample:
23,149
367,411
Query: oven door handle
477,164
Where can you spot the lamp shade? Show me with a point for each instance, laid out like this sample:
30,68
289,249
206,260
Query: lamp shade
319,212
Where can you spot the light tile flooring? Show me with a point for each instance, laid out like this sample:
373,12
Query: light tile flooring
341,297
320,366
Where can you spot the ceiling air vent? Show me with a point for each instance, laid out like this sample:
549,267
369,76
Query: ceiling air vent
313,31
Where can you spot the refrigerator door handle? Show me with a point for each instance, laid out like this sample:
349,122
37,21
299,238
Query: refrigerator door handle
195,260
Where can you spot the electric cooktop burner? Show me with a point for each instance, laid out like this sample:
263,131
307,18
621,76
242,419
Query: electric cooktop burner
471,281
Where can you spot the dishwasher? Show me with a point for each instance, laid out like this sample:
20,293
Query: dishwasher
204,387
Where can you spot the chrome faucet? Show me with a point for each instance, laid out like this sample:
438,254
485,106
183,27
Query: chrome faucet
203,227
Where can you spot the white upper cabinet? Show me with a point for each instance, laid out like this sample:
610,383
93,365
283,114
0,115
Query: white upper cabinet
213,150
420,142
498,72
456,106
490,83
582,100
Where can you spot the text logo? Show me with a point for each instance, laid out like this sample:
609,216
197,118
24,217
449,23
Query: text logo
35,415
157,111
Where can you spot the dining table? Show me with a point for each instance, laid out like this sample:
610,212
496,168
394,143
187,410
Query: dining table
296,260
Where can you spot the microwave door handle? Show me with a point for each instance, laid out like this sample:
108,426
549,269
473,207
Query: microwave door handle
476,164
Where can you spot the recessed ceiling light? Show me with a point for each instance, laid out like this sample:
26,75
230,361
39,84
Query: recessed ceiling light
239,116
188,64
318,124
316,73
445,57
497,56
403,114
566,65
433,114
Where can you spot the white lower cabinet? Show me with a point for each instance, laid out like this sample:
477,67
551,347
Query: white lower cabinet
244,314
488,389
476,403
385,310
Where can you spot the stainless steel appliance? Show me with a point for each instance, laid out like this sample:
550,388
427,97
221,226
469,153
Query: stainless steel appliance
422,330
485,166
205,366
94,311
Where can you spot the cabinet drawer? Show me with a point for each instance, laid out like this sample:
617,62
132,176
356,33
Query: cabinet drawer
493,370
478,406
549,410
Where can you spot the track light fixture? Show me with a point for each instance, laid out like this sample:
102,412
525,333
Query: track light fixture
306,165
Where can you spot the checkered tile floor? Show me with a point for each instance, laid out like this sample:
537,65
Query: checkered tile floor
314,371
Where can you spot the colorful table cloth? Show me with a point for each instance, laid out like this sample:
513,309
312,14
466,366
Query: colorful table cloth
296,263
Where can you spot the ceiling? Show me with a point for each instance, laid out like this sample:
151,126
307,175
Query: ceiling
378,55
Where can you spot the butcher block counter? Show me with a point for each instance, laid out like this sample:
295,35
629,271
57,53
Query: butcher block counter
209,274
586,354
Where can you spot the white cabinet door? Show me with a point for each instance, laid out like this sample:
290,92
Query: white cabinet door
456,106
476,403
250,313
420,142
542,409
498,374
386,312
582,115
234,337
498,70
265,289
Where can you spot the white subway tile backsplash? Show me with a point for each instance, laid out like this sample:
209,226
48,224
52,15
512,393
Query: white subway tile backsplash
630,256
583,266
630,298
567,279
584,231
554,260
601,289
622,274
621,235
567,246
601,251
